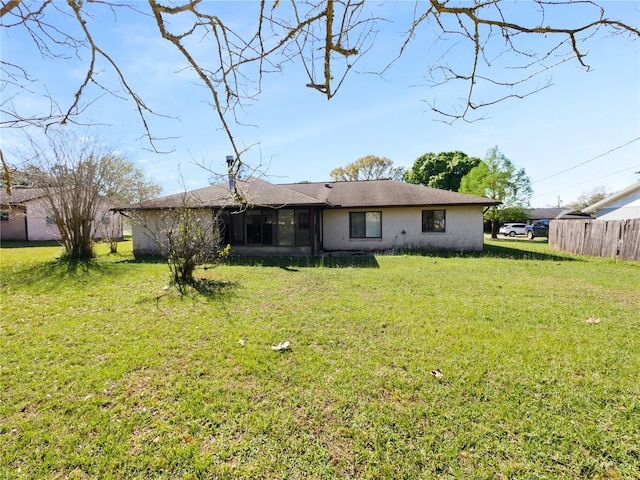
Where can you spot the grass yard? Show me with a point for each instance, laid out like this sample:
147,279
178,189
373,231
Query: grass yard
104,374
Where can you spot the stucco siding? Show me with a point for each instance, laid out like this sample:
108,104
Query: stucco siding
15,227
41,229
149,230
146,232
143,243
37,226
402,229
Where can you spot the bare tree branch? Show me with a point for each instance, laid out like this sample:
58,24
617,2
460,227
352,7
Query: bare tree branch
324,37
10,5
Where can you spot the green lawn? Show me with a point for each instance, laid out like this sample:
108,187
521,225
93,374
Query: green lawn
103,374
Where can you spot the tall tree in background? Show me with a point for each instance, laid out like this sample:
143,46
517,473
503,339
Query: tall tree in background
368,168
441,170
589,198
497,178
82,179
326,39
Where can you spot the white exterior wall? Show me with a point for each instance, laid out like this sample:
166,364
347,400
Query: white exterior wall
147,229
39,230
143,243
622,209
15,227
37,227
464,230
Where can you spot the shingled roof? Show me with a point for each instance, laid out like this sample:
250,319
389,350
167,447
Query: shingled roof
370,193
384,193
253,191
20,195
550,213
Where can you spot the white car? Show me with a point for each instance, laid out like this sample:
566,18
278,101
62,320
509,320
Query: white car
513,229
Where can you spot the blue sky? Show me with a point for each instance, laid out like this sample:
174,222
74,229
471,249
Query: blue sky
587,123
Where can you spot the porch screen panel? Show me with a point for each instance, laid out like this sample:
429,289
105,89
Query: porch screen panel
302,227
236,228
254,227
286,228
269,226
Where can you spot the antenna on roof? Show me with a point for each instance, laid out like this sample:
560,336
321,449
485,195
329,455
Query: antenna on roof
229,165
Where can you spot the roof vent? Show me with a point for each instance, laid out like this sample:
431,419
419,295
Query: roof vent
328,185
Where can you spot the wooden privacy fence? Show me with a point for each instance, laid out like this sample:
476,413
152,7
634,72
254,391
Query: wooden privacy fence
601,238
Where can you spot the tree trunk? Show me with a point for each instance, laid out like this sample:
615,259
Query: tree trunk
494,228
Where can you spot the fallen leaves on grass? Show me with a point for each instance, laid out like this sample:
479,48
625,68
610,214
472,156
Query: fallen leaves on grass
592,321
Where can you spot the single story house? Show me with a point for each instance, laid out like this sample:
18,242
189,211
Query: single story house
622,205
535,214
25,215
311,218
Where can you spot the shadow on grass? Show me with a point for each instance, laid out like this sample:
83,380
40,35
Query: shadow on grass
288,263
202,289
498,251
26,244
150,259
292,263
507,250
51,274
213,289
512,251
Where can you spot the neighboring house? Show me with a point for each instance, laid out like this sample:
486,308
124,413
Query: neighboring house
620,206
535,214
310,218
25,215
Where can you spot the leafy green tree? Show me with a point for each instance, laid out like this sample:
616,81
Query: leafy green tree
441,170
497,178
368,168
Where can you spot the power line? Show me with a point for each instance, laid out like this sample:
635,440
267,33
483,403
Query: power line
586,181
584,163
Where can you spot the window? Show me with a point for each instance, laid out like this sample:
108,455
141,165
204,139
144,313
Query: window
365,225
236,228
254,230
433,220
269,226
